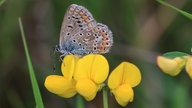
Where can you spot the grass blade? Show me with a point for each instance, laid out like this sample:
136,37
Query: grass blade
1,2
188,15
36,91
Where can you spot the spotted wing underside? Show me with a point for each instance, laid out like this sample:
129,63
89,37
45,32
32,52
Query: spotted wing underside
80,27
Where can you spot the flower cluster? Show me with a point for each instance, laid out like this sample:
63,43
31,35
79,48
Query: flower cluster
86,76
174,66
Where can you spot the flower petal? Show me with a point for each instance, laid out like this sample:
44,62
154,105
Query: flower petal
188,66
123,94
125,73
94,67
68,66
170,66
87,88
100,69
132,74
60,86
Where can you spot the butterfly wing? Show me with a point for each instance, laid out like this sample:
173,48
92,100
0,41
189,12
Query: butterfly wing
92,36
73,22
97,40
87,35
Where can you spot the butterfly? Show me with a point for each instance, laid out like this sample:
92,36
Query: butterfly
81,34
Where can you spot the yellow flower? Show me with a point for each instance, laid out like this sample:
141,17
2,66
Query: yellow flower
92,70
188,66
86,76
121,81
171,66
63,85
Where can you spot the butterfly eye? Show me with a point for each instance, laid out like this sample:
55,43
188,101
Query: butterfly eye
80,44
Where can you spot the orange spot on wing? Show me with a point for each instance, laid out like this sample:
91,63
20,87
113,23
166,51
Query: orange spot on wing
103,34
84,17
87,20
95,29
104,44
104,39
102,49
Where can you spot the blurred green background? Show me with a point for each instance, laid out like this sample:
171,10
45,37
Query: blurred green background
142,29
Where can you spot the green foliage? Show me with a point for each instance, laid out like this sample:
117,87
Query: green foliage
2,1
134,24
188,15
175,54
34,83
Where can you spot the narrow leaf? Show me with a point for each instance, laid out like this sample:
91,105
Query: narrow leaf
36,91
188,15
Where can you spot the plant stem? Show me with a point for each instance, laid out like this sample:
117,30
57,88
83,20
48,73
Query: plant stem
105,99
79,102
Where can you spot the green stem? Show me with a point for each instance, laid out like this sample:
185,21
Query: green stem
105,99
79,102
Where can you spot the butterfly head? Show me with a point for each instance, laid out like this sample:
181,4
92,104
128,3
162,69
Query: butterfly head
57,48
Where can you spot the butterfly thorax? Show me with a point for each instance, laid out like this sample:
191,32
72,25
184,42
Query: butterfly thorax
70,48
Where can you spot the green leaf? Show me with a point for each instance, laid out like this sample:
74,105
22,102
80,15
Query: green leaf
1,2
188,15
35,87
175,54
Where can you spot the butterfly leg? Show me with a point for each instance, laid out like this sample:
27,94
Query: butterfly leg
62,56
